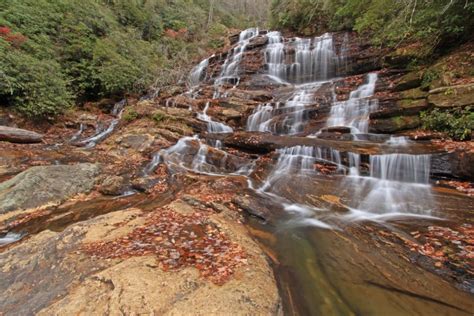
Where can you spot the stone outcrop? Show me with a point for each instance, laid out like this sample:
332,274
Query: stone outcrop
69,281
18,135
44,184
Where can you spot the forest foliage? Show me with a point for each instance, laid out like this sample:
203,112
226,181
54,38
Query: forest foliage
432,23
55,53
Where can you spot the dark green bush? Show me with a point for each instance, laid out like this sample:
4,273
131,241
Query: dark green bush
457,123
433,23
64,51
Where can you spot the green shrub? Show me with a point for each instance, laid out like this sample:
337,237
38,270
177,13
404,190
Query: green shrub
432,23
130,115
36,87
428,77
457,123
158,117
64,51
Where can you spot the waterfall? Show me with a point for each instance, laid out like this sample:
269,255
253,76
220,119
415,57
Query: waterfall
293,110
103,134
300,160
275,56
212,126
302,60
398,185
355,111
230,68
401,167
197,73
383,185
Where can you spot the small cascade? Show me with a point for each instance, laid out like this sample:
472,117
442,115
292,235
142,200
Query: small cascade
78,134
398,141
262,119
301,60
213,126
9,238
230,68
190,153
198,72
398,185
103,134
300,160
401,167
355,111
275,56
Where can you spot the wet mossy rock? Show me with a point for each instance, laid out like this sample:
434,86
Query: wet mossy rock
40,185
409,81
394,124
451,97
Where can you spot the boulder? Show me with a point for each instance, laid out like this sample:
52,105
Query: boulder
18,135
394,124
409,81
450,97
112,185
51,274
40,185
462,163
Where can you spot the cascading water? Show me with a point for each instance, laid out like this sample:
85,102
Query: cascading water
103,134
309,64
213,126
197,73
275,56
230,68
263,119
9,238
355,111
398,185
301,60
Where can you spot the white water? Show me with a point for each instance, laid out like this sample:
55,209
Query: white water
213,126
101,135
197,73
355,111
9,238
394,184
301,60
264,117
230,68
398,184
398,141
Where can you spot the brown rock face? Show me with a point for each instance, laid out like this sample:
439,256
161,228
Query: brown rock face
17,135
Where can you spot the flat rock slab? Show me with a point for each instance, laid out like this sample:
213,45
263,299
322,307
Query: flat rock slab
18,135
40,185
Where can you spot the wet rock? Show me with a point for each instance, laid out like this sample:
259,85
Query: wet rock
17,135
462,163
112,185
337,129
139,142
44,184
394,124
409,81
255,207
54,276
454,96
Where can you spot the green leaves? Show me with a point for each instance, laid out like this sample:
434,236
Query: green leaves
457,123
391,23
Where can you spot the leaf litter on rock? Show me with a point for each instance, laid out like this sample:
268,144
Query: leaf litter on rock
177,241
